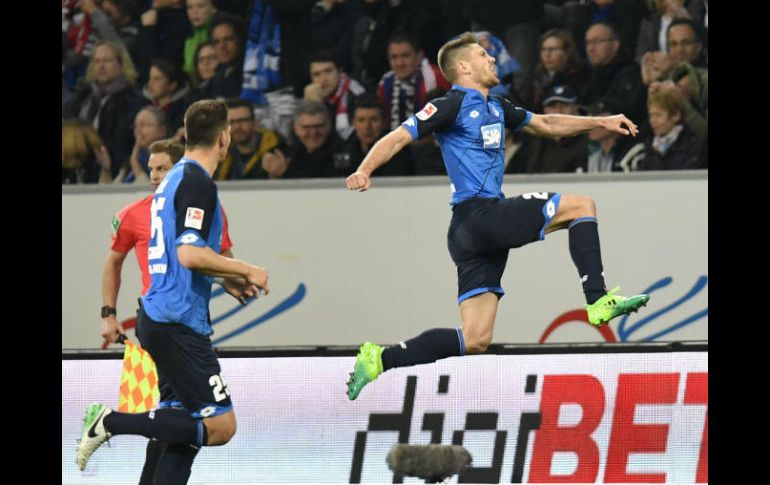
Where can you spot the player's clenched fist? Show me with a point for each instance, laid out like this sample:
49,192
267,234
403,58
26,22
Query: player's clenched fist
359,181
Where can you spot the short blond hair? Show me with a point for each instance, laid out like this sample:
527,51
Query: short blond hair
449,52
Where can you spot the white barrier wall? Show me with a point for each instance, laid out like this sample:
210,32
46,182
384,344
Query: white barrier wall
579,418
347,267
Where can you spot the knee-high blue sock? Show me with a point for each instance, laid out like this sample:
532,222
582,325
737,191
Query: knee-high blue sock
585,252
169,425
429,346
175,465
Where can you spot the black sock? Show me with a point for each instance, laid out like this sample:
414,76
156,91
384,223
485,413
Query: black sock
585,251
155,448
170,425
175,465
429,346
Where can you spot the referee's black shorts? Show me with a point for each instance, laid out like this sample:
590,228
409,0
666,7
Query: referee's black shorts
483,230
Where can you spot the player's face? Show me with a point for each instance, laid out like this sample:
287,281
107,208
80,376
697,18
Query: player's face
326,75
159,165
403,59
661,121
368,124
483,66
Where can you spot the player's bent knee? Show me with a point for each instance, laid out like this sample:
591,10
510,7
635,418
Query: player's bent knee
221,429
477,344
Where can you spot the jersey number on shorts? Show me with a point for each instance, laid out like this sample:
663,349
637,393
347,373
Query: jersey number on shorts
220,388
156,229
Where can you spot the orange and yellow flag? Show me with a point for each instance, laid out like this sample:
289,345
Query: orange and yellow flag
139,391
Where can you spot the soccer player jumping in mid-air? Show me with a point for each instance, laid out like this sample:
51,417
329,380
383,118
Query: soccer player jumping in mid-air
469,125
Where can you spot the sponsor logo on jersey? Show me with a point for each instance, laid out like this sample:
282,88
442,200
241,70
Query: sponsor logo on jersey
492,135
428,111
409,122
194,218
474,114
188,238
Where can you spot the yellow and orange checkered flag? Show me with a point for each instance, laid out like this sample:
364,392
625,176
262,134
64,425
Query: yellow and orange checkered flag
139,391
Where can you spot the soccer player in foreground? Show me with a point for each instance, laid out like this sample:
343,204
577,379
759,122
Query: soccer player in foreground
469,126
173,322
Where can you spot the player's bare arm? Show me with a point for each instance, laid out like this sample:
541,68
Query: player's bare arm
559,125
206,261
382,151
111,328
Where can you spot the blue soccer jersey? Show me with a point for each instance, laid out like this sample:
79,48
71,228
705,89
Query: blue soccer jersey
470,131
185,210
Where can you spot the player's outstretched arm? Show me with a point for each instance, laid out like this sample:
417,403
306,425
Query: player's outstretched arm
382,151
558,125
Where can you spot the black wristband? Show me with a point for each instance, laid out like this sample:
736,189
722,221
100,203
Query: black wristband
108,310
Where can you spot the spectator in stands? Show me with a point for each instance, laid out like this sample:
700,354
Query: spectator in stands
150,125
560,64
652,32
402,90
164,28
206,63
199,12
685,43
114,20
331,28
333,87
229,40
608,151
558,154
313,155
611,74
369,126
168,89
250,143
108,99
84,158
672,146
518,24
381,19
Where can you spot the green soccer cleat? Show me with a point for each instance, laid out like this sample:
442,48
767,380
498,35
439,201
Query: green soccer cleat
611,305
94,434
368,367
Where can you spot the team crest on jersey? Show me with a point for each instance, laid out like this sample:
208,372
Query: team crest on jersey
492,135
474,114
194,218
115,224
428,111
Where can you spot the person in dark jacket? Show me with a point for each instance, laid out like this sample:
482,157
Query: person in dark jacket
672,146
107,99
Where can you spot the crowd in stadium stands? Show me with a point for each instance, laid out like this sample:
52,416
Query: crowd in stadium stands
311,85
